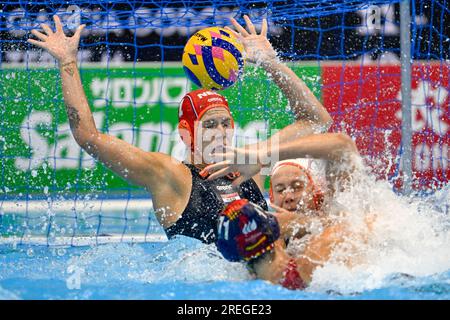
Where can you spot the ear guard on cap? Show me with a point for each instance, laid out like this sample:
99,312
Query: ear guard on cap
192,107
185,131
246,231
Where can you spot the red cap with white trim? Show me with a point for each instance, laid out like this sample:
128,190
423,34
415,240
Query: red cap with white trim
318,196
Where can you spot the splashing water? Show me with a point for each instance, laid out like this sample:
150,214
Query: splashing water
182,268
182,259
409,238
405,255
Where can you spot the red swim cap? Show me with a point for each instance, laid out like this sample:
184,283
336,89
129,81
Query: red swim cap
192,107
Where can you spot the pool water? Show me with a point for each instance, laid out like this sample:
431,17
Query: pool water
183,268
407,256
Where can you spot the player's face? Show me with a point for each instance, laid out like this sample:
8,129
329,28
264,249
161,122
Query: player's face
291,188
215,129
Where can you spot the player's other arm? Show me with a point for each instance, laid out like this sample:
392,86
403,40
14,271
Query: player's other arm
310,114
338,148
135,165
126,160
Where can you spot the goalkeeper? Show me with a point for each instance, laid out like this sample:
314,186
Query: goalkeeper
185,200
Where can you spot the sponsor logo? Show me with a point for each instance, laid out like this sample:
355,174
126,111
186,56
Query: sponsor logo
249,227
201,37
223,188
218,99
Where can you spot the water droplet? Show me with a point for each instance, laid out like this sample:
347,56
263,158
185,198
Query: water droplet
30,252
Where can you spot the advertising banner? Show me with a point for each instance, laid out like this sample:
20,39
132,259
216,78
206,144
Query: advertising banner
366,102
137,104
140,105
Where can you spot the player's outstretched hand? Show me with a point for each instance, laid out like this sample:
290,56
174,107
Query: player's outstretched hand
236,160
257,47
63,48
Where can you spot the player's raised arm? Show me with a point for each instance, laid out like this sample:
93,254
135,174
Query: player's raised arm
65,49
311,116
133,164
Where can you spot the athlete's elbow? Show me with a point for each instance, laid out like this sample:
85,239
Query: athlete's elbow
347,145
327,122
87,141
323,122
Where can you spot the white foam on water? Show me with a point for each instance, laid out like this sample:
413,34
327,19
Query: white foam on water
410,236
181,259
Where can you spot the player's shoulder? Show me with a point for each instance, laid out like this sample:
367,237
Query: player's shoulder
172,173
164,160
165,170
170,166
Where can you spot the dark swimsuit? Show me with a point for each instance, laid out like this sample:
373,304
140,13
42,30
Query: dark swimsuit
207,200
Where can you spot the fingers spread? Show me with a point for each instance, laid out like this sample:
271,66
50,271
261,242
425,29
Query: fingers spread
250,25
58,24
239,28
39,35
237,35
264,28
79,30
37,43
215,167
46,29
221,173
